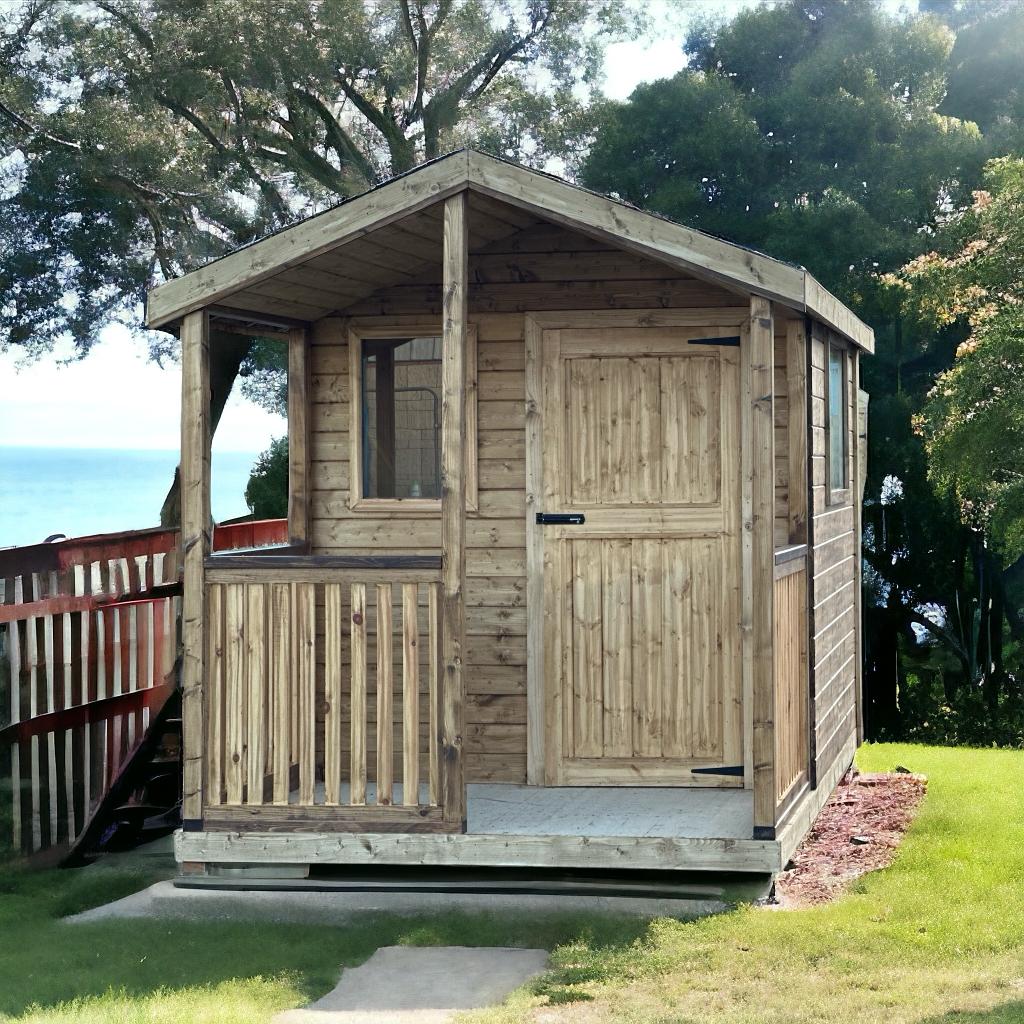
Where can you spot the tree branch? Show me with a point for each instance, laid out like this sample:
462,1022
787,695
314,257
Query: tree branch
337,138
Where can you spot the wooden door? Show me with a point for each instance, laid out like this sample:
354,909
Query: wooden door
641,434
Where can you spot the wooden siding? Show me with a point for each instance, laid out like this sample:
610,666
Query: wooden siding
834,583
541,268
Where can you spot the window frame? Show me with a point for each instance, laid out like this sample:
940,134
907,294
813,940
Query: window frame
837,495
377,329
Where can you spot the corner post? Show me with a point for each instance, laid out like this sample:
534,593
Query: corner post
453,503
195,546
760,525
298,436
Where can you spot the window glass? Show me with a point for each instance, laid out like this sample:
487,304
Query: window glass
836,420
401,404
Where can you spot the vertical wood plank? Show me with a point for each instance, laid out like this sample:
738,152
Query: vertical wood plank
583,704
195,545
234,692
455,273
796,387
648,670
281,685
433,692
298,435
304,600
410,697
677,614
215,696
617,629
762,560
357,698
256,667
332,694
385,694
14,665
647,448
535,681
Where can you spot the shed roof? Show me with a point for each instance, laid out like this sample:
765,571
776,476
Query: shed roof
381,237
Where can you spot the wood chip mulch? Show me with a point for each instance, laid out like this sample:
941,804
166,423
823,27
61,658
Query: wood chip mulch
858,830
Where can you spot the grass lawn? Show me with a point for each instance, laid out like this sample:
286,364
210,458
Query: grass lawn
937,938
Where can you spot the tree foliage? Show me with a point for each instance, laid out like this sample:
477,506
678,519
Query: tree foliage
973,419
267,491
844,137
141,138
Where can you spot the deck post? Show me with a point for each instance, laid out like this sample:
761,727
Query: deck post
195,546
298,436
453,504
760,525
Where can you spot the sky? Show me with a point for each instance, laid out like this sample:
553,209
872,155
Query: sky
90,403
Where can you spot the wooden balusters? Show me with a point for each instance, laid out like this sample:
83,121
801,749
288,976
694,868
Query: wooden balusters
410,697
385,695
357,794
265,741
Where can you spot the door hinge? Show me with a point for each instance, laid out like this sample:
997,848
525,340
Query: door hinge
732,342
728,769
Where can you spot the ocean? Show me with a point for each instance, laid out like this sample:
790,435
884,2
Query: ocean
79,491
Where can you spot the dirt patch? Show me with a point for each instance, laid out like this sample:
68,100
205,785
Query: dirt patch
858,830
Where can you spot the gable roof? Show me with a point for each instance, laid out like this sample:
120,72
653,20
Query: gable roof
346,227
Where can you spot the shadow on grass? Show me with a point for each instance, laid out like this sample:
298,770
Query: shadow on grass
45,962
1007,1013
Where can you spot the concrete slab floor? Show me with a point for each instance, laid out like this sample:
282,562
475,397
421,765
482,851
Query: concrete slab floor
166,900
421,985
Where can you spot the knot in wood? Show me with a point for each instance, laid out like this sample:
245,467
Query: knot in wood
357,618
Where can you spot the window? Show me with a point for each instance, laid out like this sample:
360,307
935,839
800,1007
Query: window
396,417
401,422
837,425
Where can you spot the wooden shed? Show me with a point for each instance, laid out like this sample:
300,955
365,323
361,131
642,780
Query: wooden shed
573,572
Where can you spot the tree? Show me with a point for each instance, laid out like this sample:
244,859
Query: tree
972,287
267,491
143,138
821,133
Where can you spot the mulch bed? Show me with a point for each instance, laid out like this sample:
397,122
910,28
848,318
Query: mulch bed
858,830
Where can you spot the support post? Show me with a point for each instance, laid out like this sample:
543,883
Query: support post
760,525
195,546
298,436
453,504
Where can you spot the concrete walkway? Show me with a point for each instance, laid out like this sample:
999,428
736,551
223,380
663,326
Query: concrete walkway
413,985
165,900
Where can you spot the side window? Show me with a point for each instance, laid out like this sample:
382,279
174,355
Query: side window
837,425
395,423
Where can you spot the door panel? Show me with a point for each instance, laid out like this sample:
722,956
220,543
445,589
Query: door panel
641,634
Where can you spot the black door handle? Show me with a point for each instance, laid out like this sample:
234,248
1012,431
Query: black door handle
561,518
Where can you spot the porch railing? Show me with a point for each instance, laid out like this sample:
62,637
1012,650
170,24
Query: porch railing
321,693
791,675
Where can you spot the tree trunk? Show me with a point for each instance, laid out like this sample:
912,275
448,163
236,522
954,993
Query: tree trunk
227,353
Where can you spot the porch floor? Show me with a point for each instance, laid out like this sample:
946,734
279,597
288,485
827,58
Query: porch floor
506,809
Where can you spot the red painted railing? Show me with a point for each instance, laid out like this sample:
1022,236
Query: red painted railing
88,642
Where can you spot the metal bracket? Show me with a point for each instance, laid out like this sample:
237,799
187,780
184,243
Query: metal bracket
561,518
729,769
